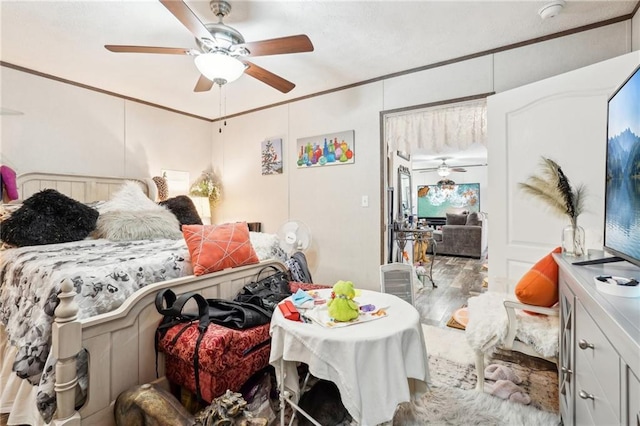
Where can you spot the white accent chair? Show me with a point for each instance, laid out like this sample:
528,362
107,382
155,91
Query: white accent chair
498,320
398,279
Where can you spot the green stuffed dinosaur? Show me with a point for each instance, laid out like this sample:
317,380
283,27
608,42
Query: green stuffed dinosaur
341,306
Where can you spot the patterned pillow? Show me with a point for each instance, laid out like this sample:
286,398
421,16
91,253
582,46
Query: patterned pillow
163,187
48,217
217,247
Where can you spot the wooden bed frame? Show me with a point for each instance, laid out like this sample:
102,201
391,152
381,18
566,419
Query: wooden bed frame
120,343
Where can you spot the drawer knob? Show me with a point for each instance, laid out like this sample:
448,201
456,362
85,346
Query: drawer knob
585,395
584,344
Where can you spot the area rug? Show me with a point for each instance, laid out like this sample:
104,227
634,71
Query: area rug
444,405
451,364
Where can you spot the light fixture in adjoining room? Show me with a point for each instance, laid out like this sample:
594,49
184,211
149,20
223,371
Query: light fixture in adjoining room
443,170
219,67
446,184
551,9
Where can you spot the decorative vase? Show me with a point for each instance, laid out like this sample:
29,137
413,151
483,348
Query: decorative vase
573,240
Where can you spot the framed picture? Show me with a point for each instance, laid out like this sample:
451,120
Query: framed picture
326,150
271,154
435,201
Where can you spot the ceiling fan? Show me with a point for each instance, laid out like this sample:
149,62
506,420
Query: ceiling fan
222,50
444,169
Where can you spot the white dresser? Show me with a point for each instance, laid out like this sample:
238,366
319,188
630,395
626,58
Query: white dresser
599,347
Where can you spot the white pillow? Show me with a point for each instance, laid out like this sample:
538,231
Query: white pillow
266,246
138,225
129,197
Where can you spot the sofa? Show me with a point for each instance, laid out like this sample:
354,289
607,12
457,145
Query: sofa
462,235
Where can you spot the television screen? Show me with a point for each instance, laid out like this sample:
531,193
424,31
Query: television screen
435,201
622,185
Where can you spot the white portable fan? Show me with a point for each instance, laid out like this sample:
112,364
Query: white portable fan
294,236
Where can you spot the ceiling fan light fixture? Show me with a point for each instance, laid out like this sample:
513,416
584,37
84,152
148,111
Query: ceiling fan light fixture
219,67
443,171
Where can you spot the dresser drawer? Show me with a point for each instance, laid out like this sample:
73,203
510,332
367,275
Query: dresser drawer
597,373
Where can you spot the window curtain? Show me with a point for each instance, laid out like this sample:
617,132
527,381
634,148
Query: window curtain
438,129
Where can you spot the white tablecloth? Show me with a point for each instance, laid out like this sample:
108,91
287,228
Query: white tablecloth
369,362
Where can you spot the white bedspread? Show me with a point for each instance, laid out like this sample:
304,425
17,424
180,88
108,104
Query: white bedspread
104,274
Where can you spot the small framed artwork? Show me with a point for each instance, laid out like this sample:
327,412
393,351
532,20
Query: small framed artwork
330,149
271,154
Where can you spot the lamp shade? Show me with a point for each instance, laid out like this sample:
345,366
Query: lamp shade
219,67
203,207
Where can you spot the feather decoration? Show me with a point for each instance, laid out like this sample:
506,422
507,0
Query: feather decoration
553,187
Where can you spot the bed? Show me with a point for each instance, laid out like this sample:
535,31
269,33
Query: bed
118,343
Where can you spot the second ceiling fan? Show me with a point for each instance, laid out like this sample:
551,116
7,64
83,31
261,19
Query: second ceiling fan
222,50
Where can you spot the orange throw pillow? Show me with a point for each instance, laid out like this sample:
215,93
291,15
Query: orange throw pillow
539,286
217,247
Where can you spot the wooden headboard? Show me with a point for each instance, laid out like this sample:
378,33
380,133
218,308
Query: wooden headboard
85,189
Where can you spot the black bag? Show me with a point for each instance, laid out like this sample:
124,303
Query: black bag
269,290
233,314
239,315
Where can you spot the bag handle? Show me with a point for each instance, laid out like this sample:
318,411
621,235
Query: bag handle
174,310
164,298
265,268
176,304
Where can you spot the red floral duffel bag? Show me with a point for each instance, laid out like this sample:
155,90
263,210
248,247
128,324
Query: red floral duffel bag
206,358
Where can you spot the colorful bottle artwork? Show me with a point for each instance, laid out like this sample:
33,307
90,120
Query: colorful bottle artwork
323,152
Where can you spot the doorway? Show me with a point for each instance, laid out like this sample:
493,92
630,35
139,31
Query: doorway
421,139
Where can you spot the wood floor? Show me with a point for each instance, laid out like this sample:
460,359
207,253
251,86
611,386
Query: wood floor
457,278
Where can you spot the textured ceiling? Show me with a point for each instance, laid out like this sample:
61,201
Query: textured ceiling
354,41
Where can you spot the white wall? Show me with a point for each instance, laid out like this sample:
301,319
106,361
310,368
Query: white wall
563,118
67,129
347,237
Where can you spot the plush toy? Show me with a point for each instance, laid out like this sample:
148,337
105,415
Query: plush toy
341,306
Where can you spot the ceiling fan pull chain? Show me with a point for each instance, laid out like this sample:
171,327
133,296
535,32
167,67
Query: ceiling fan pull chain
220,106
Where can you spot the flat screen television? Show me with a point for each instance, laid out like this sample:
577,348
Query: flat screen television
622,177
435,201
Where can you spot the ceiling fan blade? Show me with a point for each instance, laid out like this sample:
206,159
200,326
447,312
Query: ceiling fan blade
268,77
147,49
203,84
186,16
457,169
277,46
